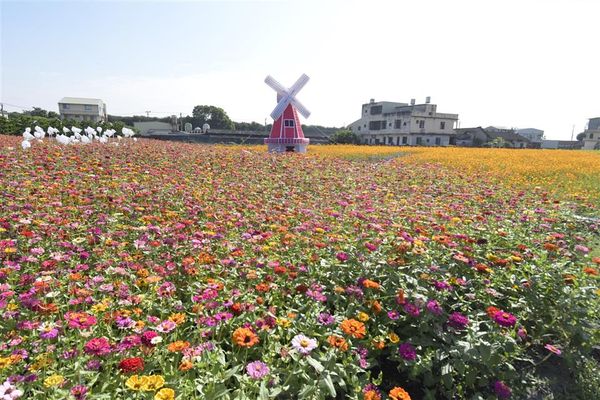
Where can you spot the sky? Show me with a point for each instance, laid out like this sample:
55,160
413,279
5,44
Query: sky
510,63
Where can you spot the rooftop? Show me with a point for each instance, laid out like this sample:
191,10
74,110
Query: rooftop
80,100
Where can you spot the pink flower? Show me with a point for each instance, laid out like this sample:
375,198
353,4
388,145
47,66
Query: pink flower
341,256
553,349
97,346
505,319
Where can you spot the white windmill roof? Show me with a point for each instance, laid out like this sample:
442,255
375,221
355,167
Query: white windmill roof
80,100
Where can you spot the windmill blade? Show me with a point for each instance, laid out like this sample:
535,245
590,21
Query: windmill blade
300,107
283,103
299,84
278,87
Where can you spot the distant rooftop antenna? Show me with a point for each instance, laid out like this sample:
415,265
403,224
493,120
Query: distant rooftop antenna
412,102
427,99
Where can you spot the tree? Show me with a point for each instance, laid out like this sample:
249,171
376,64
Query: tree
345,136
216,117
37,112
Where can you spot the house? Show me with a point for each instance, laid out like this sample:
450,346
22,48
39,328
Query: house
562,144
82,109
403,124
535,136
591,136
489,137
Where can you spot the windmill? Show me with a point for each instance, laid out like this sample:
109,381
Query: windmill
286,133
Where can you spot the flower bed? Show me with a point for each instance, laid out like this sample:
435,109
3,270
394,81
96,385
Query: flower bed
160,270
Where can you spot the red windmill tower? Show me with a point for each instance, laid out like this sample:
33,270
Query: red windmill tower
286,133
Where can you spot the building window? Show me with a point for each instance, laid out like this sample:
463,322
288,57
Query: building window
66,106
591,135
422,124
359,128
377,125
438,141
87,107
427,140
288,123
376,110
404,123
404,140
419,140
397,124
443,125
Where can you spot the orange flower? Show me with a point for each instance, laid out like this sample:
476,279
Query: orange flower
398,393
244,337
185,365
376,306
178,318
371,395
378,344
371,284
338,342
491,311
177,346
591,271
354,328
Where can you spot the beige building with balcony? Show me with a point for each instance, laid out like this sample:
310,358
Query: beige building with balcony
591,136
403,124
82,109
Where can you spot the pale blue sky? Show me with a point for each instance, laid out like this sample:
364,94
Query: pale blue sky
526,63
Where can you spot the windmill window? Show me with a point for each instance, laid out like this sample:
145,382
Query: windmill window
442,125
288,123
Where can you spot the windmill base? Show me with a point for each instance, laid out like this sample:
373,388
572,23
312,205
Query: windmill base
287,145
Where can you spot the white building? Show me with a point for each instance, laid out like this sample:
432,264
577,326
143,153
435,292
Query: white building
591,136
402,124
156,127
82,109
534,135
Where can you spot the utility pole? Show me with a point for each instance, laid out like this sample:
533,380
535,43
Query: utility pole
572,132
148,114
2,110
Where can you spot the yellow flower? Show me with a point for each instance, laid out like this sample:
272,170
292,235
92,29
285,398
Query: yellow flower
284,322
136,382
393,337
5,362
54,380
155,382
364,317
165,394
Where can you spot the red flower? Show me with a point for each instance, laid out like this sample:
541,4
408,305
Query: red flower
97,346
129,365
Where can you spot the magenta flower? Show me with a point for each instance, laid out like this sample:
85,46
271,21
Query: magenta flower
411,309
407,352
326,319
553,349
434,307
502,390
458,321
341,256
505,319
97,346
257,369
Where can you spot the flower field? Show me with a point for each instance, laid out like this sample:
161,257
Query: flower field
160,270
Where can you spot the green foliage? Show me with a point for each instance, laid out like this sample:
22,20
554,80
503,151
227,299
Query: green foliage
344,136
16,123
216,117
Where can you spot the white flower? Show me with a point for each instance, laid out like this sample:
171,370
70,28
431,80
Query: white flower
9,392
303,344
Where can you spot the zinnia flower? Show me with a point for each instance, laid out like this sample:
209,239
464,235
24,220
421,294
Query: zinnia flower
458,321
354,328
134,364
502,390
244,337
165,394
257,369
407,351
303,344
398,393
97,346
505,319
9,392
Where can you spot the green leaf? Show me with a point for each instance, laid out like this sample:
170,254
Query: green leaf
315,364
329,385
